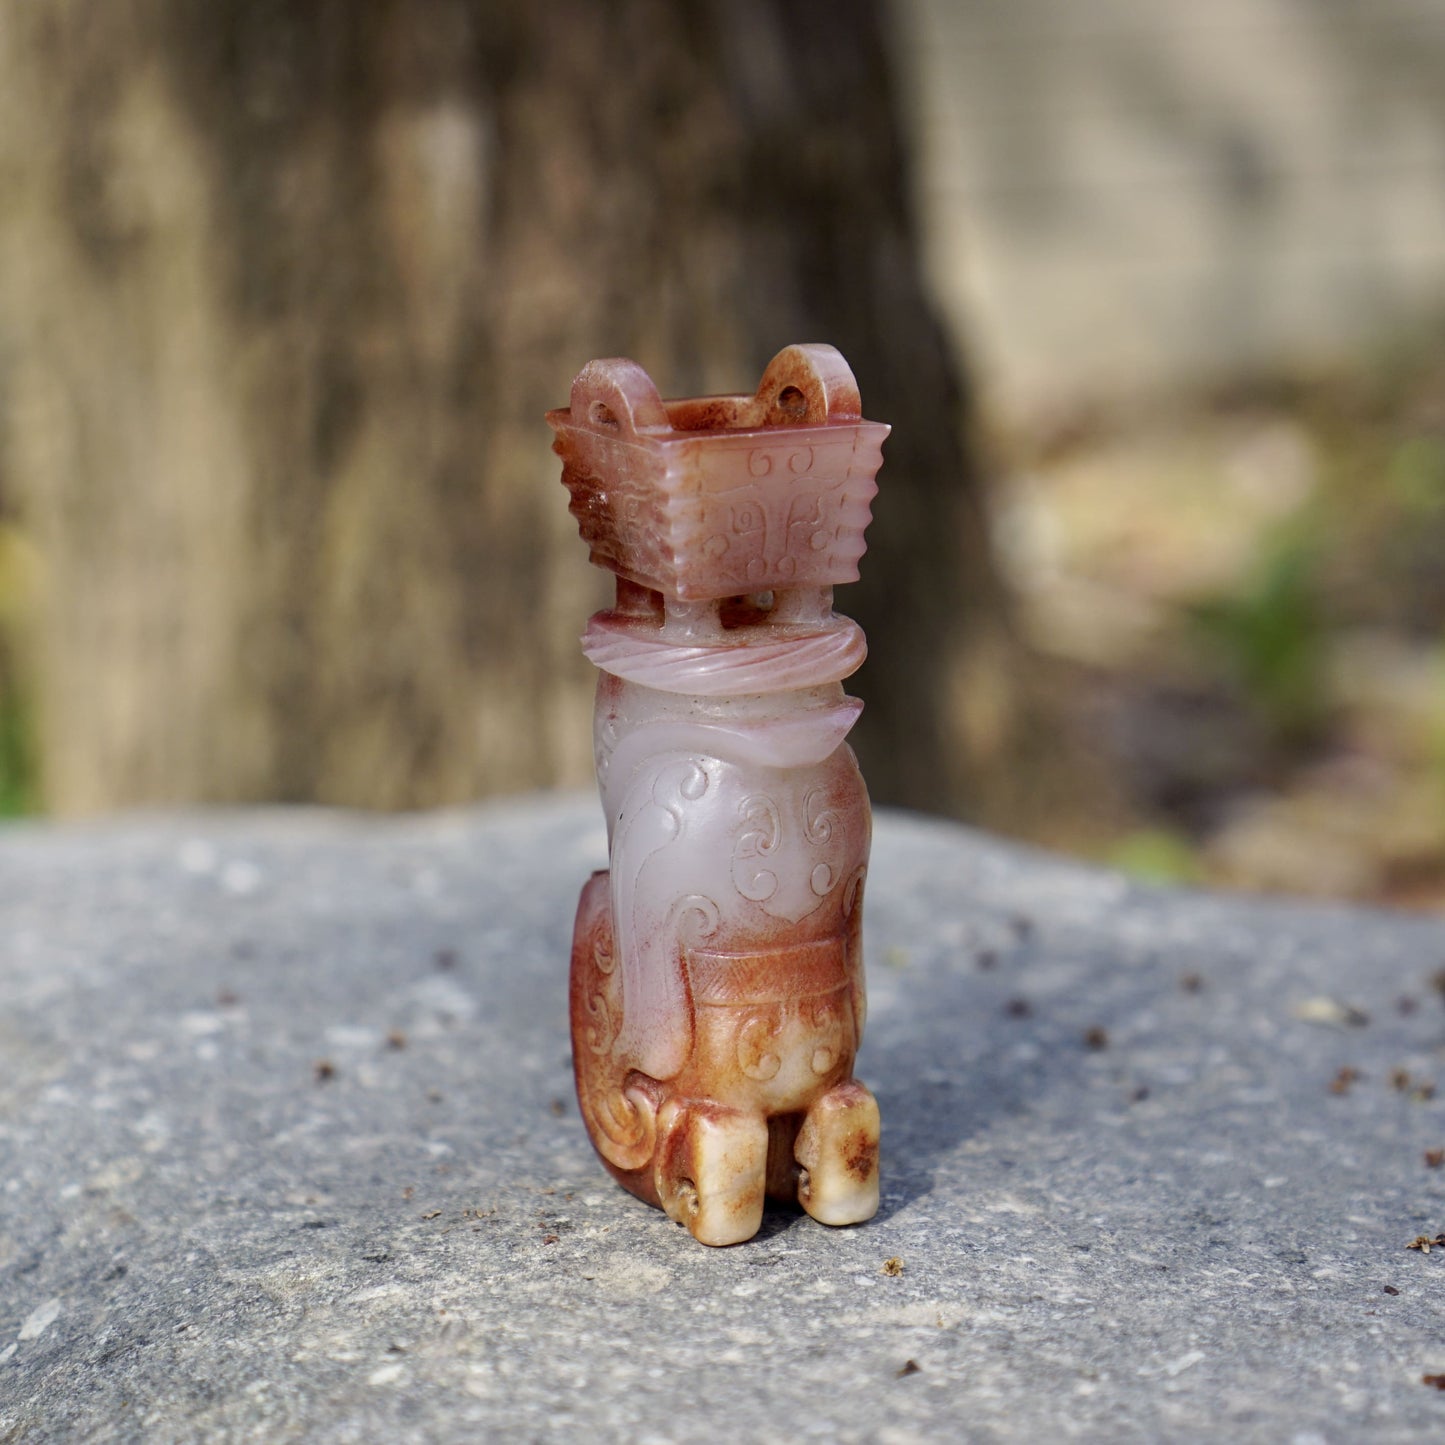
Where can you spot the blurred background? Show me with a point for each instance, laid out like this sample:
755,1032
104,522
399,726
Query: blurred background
1153,294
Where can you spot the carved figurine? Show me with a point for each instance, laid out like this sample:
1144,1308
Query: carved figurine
717,993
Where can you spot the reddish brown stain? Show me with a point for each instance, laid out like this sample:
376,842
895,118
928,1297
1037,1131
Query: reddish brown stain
861,1155
707,413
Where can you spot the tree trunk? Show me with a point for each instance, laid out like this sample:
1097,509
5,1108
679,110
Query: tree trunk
286,288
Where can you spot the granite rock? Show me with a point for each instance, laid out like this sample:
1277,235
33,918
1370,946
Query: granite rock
288,1151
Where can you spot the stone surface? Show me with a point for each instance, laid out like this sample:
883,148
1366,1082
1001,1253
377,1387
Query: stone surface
288,1151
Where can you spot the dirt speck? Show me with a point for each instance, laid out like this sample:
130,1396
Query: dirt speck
1331,1013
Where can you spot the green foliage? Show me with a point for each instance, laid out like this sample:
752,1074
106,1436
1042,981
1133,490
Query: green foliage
1156,855
18,794
1271,634
19,754
1417,474
1435,745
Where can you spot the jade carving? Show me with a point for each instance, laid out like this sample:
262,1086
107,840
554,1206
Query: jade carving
717,995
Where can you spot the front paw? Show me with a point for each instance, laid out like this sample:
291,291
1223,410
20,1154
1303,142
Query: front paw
837,1149
712,1170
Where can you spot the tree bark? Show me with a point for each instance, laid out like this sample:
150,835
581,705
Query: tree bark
286,288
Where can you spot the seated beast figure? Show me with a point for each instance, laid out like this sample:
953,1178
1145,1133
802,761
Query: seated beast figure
717,995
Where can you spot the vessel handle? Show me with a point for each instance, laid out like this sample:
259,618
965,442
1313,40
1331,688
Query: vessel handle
806,385
617,397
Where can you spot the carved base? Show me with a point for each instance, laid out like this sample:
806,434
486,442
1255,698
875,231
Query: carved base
765,1104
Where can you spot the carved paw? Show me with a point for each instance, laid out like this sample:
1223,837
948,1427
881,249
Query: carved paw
837,1149
712,1170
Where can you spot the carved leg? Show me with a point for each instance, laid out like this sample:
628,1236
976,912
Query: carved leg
711,1169
838,1150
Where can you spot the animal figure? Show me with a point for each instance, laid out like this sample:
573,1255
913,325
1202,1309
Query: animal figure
717,995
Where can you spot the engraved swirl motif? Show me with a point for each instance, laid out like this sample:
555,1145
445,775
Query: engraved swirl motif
749,516
603,956
755,1058
674,787
602,1001
758,840
824,1020
693,918
682,783
602,1025
621,1120
809,520
819,819
823,1059
626,1130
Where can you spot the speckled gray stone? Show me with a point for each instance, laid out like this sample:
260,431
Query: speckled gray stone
288,1152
